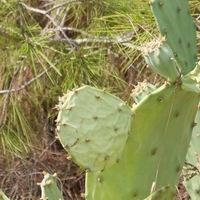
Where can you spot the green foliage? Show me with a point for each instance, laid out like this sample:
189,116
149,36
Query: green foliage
49,48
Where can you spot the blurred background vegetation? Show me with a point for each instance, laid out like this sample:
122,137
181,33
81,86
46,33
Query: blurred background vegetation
51,46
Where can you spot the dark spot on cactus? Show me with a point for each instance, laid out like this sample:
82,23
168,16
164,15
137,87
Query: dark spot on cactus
158,56
97,96
167,186
69,108
66,146
117,161
179,168
180,40
116,128
99,180
189,44
119,109
87,140
186,63
194,124
175,55
197,191
177,114
165,31
178,9
135,194
160,3
160,99
95,117
107,157
154,151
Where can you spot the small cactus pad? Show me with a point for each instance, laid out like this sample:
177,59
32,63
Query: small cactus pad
164,193
3,196
155,150
141,90
177,26
93,127
49,188
191,81
193,154
193,187
162,61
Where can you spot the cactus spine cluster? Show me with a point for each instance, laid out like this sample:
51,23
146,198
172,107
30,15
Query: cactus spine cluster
139,152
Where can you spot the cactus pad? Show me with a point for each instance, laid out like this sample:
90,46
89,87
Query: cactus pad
93,127
141,90
176,24
155,150
162,61
49,188
193,187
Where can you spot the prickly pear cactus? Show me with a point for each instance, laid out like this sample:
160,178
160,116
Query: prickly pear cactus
49,188
93,126
3,196
176,25
152,155
138,157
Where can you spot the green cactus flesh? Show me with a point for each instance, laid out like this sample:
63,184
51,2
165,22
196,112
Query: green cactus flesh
49,188
164,193
194,150
193,187
176,24
93,127
191,81
192,170
155,150
162,61
142,89
3,196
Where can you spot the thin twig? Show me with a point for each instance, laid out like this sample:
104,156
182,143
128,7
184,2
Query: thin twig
7,98
43,12
26,84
